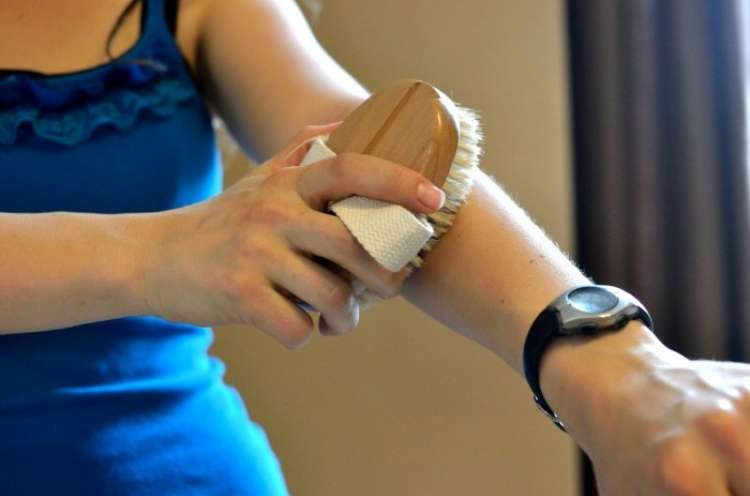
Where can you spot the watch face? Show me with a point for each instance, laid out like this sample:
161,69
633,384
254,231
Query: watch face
592,300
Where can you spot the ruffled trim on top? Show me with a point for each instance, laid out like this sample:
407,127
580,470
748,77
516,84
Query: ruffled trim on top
119,109
68,109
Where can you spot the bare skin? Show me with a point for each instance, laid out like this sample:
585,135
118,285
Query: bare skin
652,421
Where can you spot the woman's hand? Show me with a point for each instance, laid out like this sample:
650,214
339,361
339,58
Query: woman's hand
681,429
245,256
654,422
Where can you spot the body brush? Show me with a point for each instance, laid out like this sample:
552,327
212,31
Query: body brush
416,125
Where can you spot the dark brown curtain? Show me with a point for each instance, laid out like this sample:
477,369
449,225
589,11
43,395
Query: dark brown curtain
661,167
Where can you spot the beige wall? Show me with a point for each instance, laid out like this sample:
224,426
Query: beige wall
402,405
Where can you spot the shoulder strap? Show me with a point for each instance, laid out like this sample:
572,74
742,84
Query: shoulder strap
170,15
161,15
161,19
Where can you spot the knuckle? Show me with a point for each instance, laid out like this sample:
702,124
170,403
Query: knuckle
719,423
272,213
280,178
340,165
677,467
293,335
239,289
261,249
726,430
272,176
275,176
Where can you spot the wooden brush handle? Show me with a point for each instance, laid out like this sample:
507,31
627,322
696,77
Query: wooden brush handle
409,122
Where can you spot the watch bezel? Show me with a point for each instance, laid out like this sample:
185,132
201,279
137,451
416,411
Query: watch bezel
575,321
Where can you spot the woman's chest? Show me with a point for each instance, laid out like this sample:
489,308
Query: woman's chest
54,37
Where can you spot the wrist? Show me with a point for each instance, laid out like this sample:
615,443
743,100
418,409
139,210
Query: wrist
138,237
582,376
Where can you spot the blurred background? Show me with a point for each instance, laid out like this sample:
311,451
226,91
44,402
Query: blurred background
620,126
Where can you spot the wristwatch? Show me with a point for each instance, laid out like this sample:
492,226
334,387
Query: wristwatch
583,310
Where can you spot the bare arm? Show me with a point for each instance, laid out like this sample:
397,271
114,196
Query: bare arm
490,276
267,75
491,273
61,269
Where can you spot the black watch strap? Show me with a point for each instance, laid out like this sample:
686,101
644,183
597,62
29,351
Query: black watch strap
547,327
542,331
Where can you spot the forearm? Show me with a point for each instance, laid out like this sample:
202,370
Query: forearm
490,276
61,269
491,273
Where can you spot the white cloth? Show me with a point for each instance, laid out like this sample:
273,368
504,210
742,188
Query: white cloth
390,233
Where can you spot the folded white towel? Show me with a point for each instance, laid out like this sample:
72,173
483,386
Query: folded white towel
390,233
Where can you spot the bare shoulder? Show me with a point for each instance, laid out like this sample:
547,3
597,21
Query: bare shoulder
200,20
264,71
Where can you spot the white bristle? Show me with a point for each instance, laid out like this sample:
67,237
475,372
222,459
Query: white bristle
460,178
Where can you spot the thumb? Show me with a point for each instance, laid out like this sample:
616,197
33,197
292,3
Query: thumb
295,151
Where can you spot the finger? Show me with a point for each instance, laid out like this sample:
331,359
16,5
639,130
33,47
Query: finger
325,329
739,471
726,435
327,264
326,236
683,466
363,175
733,442
279,318
697,483
328,293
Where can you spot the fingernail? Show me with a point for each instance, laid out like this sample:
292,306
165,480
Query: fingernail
431,196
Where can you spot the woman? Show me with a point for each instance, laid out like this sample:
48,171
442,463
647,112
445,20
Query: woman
119,250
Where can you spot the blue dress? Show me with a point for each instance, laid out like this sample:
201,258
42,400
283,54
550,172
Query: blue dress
136,405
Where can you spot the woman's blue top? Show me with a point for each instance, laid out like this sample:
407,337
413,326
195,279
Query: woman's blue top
136,405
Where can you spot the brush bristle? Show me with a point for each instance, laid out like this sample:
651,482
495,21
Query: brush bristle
457,186
459,181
